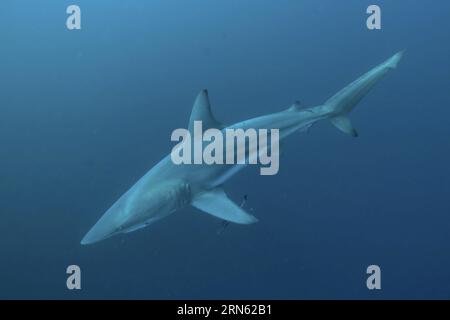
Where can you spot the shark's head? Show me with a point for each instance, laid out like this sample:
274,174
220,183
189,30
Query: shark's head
139,208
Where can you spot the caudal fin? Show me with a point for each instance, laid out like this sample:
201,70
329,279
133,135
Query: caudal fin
343,102
394,60
344,124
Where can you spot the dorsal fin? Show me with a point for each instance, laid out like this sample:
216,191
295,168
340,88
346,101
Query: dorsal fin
202,112
296,106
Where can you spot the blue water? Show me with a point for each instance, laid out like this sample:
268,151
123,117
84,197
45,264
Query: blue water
85,113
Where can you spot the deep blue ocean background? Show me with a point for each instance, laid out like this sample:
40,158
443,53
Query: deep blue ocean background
84,114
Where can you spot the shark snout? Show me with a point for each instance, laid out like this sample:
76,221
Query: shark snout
93,236
96,234
104,228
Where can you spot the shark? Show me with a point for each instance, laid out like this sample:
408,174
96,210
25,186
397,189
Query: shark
168,187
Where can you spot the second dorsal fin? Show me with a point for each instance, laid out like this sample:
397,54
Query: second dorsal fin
296,106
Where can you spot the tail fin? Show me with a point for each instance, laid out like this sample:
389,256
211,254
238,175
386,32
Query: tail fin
343,123
345,100
393,62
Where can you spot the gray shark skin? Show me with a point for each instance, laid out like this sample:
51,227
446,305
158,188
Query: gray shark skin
167,187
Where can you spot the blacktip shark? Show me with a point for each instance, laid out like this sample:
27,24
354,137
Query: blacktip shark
168,187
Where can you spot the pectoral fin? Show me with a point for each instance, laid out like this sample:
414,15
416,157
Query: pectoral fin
216,203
